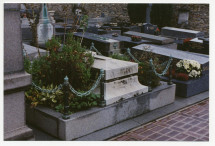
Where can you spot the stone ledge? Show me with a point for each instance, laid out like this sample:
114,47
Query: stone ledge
86,122
19,134
191,87
16,80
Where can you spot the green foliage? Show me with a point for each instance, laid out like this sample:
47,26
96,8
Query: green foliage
137,12
59,108
84,22
161,14
49,71
145,72
85,102
53,45
35,97
71,61
120,57
56,100
145,75
27,64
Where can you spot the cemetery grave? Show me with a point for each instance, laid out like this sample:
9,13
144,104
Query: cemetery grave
75,92
105,45
187,40
184,88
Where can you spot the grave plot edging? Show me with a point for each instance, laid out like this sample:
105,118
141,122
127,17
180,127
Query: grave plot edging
86,122
191,87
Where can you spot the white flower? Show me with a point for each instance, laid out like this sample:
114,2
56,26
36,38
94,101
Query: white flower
179,64
193,73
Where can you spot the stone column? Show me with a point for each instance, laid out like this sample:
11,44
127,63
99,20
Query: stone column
15,78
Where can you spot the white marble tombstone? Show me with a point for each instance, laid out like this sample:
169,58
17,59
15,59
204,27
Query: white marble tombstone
121,81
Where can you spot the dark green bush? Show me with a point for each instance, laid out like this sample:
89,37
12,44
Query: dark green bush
137,12
71,61
49,71
145,75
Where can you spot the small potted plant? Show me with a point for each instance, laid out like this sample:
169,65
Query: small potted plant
115,34
135,38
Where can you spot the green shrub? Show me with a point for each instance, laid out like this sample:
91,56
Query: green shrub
120,57
71,61
49,71
56,100
137,12
145,75
161,14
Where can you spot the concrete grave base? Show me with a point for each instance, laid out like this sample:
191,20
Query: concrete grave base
22,133
86,122
191,87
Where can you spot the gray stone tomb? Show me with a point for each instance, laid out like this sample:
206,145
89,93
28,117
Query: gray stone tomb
180,33
105,45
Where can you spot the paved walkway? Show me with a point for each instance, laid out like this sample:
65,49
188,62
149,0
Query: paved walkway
188,124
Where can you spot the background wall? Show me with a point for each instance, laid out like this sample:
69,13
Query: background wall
198,13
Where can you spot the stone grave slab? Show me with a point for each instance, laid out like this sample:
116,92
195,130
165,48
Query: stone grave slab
126,41
153,38
106,46
103,31
32,52
177,54
180,33
121,81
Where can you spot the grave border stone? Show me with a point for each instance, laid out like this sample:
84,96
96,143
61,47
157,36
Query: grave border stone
86,122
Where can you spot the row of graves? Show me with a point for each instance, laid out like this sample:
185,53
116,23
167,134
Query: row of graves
122,94
169,43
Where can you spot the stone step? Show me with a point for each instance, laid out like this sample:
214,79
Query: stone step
180,33
153,38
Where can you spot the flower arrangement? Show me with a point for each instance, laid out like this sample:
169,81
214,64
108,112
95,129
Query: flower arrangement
115,34
190,67
135,38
